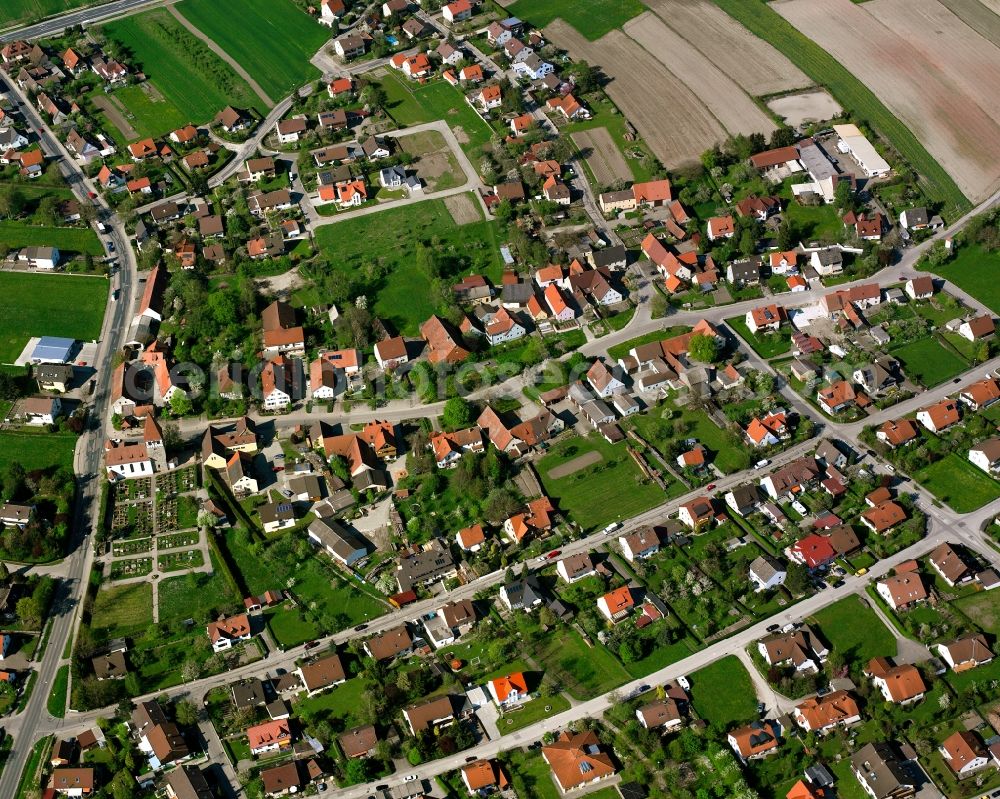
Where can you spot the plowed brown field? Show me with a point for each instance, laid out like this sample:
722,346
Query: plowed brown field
722,96
915,83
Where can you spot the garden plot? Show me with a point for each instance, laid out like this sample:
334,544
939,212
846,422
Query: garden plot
435,163
602,155
812,106
915,85
751,62
723,97
647,93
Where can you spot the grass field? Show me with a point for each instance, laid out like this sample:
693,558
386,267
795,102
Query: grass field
37,450
974,270
531,775
272,40
66,239
15,12
404,297
957,483
853,630
592,19
410,104
195,83
123,611
657,428
766,345
584,671
983,609
928,362
48,305
722,692
57,697
598,494
530,712
815,222
760,19
192,595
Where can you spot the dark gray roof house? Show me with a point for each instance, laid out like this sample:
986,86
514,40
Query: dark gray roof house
338,541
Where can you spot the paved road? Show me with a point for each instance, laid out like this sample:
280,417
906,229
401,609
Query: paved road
87,463
85,16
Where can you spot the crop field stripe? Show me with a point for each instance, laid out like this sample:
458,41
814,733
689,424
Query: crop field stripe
977,16
758,17
272,39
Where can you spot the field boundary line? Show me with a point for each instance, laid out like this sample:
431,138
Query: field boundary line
215,48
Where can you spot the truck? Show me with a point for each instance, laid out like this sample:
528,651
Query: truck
116,285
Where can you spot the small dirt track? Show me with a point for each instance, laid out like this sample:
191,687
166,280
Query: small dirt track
575,465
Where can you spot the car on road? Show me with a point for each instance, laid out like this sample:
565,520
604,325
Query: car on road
710,487
92,195
761,464
642,689
555,553
761,708
312,644
683,683
360,627
409,778
861,572
773,628
111,246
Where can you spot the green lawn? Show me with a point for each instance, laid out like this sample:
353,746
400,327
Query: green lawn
413,104
928,362
599,493
336,705
125,610
621,350
57,696
48,305
272,40
815,222
852,629
535,710
584,671
195,83
592,19
763,21
289,627
69,240
404,296
975,270
37,450
193,595
957,483
766,345
530,775
722,692
656,426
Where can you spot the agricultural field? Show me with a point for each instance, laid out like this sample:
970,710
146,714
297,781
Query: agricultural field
852,94
637,77
723,97
272,40
959,484
193,82
947,115
753,63
24,12
811,106
606,490
585,671
927,361
592,19
70,240
605,160
978,16
48,305
404,297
